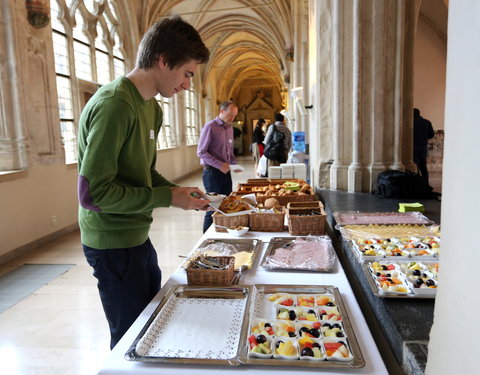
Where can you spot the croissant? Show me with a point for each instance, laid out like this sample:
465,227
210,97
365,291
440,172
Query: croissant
233,204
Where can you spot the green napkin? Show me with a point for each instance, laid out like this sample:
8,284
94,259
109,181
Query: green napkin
407,207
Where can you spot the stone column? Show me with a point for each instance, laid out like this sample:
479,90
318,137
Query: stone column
12,141
361,78
354,169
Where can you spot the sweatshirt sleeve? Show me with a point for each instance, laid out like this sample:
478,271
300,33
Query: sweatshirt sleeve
108,180
202,149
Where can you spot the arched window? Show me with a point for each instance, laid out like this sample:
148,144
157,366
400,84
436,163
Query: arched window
88,53
168,136
191,116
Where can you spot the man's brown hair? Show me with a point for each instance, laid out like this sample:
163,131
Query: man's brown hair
174,39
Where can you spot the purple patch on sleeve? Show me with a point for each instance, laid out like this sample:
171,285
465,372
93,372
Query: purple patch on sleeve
84,196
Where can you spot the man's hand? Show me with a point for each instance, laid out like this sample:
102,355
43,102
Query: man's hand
188,198
225,168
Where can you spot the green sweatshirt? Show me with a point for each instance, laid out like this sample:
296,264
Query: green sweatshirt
118,185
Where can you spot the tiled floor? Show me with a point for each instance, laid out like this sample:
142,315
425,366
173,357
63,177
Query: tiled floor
61,329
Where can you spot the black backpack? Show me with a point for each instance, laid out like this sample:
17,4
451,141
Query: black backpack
398,184
275,150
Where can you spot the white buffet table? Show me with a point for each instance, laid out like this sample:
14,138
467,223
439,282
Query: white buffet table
117,365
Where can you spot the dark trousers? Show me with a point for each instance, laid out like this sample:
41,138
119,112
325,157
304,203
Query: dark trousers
215,181
128,279
420,159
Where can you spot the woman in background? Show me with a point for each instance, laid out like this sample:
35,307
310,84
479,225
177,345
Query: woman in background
258,137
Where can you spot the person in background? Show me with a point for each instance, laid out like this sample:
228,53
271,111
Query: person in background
422,132
257,141
215,150
287,139
118,184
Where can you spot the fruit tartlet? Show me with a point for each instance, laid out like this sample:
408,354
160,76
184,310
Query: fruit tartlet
329,313
306,313
260,346
308,301
285,348
285,328
282,299
286,314
309,329
332,330
262,327
310,349
325,300
337,350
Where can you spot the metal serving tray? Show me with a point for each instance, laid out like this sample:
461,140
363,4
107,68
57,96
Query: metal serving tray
413,293
260,307
186,327
380,218
195,325
361,258
278,242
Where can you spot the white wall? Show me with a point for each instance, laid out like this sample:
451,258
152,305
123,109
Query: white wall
30,198
28,202
454,345
429,74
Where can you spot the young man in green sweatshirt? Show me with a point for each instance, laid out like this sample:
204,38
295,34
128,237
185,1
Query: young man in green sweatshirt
118,185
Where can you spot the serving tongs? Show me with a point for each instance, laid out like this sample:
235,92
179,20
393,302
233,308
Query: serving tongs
209,264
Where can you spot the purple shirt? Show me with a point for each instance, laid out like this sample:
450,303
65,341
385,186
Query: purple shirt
215,146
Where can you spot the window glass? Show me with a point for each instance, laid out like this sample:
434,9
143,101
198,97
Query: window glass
54,14
69,140
83,65
60,49
64,90
167,137
191,116
118,67
92,60
103,67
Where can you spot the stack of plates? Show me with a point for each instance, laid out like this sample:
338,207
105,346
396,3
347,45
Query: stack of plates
287,170
300,171
274,172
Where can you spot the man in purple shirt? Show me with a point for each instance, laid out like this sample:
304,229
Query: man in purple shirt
215,150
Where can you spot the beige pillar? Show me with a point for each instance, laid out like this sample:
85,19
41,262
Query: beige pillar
361,71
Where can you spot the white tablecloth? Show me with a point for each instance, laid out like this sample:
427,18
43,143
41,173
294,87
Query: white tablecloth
117,365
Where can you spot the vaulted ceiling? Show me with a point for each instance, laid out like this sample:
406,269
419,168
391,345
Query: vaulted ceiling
248,39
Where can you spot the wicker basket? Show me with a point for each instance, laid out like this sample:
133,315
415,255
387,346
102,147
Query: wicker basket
269,181
201,276
267,222
285,199
300,225
229,221
305,204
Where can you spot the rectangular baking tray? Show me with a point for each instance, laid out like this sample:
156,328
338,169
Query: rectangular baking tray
380,218
277,242
261,308
166,337
195,325
361,258
378,293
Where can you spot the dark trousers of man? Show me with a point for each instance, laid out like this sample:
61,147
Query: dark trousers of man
215,181
128,279
420,159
